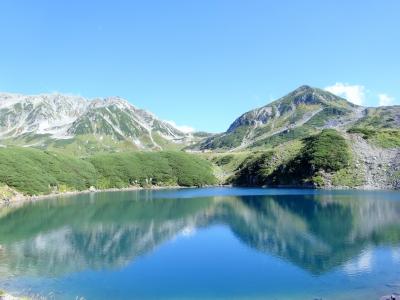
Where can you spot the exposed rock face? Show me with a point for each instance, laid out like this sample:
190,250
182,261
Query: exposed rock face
288,104
380,166
8,194
373,133
302,112
40,114
306,109
58,117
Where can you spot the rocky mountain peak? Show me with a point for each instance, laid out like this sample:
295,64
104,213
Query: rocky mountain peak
303,88
111,101
302,109
58,116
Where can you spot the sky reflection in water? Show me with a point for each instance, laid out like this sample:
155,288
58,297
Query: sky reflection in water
216,243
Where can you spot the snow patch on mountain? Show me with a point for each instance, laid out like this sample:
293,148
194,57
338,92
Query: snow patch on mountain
59,117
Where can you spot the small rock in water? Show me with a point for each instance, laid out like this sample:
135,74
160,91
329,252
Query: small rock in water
394,296
92,189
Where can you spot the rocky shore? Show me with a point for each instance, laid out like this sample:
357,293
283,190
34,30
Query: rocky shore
10,196
394,296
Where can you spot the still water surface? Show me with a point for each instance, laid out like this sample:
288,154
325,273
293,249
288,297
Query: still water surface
214,243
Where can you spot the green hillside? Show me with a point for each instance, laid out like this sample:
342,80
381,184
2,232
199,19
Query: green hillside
380,117
321,157
379,126
35,172
309,137
156,168
298,114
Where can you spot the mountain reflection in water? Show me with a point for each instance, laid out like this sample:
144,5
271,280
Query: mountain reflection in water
316,231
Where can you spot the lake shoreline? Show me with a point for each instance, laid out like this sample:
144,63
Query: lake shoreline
20,198
310,187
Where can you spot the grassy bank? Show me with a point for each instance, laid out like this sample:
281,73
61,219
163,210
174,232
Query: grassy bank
36,172
151,168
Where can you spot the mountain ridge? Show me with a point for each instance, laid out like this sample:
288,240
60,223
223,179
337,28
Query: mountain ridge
299,96
290,141
296,140
48,118
297,108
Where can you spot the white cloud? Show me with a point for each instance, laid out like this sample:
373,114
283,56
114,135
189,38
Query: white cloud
183,128
188,231
362,264
385,100
396,255
353,93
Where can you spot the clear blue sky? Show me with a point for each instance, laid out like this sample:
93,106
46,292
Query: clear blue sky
200,63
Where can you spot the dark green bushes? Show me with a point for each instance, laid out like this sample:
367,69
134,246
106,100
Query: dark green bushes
146,168
325,152
254,170
33,171
325,115
223,160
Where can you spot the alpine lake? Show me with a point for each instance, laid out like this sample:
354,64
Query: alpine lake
205,243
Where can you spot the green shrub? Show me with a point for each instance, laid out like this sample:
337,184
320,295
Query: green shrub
223,160
350,177
151,168
325,115
386,138
254,170
190,170
318,180
34,172
326,151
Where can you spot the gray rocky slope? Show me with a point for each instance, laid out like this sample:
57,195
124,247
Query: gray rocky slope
47,117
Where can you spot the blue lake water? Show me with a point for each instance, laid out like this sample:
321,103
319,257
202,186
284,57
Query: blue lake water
211,243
